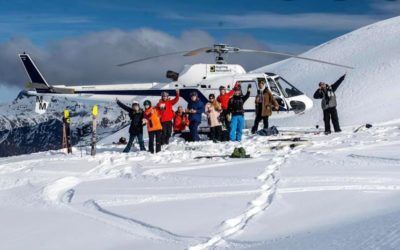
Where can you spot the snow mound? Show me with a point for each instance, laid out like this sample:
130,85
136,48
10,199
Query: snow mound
371,90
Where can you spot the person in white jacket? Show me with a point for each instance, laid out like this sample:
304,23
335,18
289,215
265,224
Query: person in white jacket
213,110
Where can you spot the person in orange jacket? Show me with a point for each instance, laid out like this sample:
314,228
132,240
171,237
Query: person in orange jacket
167,115
154,127
181,120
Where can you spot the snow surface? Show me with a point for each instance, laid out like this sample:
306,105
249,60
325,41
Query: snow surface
340,191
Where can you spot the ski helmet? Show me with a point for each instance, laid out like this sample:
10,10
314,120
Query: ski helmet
147,102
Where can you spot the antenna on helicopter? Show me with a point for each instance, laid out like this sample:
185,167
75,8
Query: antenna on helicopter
221,49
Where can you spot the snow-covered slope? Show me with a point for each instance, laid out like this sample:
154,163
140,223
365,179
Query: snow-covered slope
371,91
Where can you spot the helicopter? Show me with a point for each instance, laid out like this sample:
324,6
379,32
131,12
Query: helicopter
201,78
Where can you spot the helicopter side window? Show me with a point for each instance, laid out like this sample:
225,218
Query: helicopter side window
288,89
253,90
274,89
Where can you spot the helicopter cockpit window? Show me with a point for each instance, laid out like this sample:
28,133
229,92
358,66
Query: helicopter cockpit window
288,89
253,90
273,87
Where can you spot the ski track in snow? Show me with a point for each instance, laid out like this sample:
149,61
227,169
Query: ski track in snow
232,226
164,170
53,192
61,191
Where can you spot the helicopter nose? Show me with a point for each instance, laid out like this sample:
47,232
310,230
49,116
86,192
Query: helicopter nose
301,103
308,102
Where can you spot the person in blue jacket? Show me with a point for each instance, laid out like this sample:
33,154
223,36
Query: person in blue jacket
195,108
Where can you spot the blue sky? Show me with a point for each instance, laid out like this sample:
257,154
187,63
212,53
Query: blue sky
285,25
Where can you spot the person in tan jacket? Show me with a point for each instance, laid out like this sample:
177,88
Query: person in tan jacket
213,110
265,103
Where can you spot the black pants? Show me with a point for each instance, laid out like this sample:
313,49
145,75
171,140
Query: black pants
216,133
331,114
224,121
132,137
157,136
258,119
166,132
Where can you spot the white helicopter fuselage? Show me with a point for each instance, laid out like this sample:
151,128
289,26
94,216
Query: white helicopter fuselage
204,79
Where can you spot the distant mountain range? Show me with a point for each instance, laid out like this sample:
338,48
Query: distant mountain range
22,131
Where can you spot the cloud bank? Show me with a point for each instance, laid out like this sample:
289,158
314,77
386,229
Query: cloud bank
91,59
267,20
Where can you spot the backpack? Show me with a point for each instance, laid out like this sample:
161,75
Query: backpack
239,153
269,131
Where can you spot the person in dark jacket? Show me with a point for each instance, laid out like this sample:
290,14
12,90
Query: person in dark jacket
136,127
236,109
258,105
195,108
328,103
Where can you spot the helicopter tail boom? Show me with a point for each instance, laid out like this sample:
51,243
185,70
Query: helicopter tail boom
38,82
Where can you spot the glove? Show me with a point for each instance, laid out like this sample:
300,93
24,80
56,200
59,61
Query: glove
228,117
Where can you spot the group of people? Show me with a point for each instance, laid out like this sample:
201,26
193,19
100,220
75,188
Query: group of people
224,113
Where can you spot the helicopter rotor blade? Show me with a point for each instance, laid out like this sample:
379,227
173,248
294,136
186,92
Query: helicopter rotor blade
294,56
197,51
152,57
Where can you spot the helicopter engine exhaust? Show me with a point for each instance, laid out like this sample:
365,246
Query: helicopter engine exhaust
172,75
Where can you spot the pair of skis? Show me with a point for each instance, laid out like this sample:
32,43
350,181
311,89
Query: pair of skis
67,142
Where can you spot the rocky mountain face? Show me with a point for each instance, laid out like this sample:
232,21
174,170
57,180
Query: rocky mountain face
22,131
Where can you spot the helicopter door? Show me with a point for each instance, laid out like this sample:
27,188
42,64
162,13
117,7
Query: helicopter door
278,95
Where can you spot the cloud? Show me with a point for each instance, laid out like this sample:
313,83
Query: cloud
32,19
306,21
390,7
91,59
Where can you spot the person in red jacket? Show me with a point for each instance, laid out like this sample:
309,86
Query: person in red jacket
167,115
223,98
181,120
